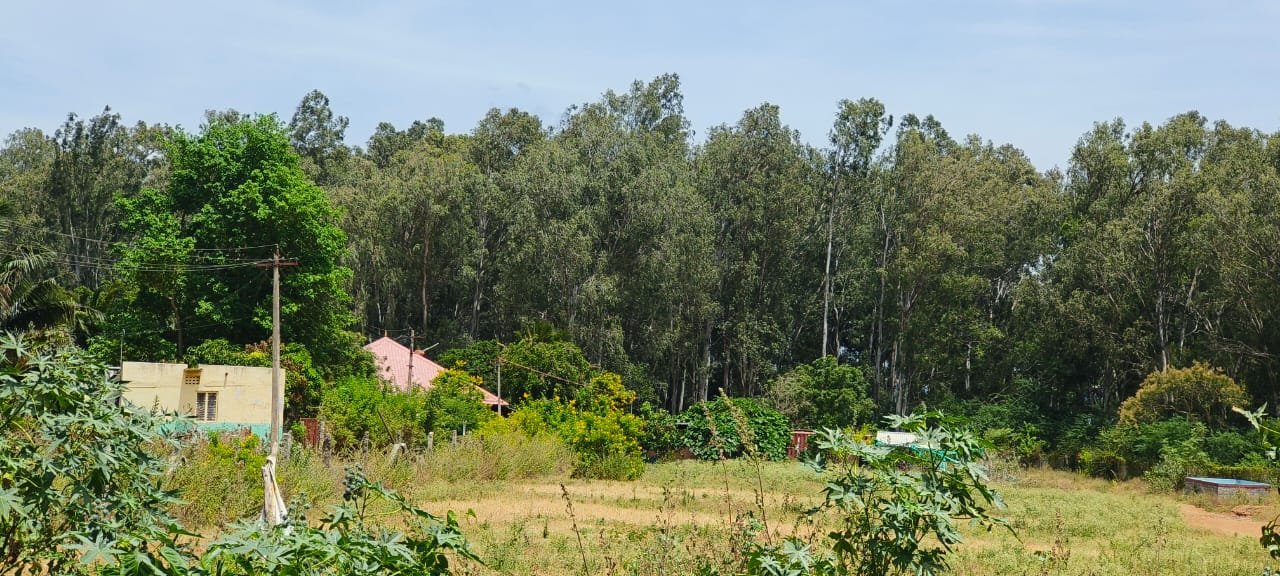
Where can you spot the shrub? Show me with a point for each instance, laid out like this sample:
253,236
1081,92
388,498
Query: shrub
454,403
822,394
713,431
358,406
895,511
77,472
595,425
662,435
1198,393
220,480
1102,462
1023,444
1177,461
1127,449
1229,447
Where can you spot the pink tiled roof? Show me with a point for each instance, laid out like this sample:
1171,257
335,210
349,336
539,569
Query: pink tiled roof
392,359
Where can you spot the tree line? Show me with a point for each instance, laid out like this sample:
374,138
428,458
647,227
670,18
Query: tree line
945,269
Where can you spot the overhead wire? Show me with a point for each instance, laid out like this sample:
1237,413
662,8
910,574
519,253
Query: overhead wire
99,263
225,255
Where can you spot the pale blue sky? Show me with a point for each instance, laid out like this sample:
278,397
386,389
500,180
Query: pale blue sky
1032,73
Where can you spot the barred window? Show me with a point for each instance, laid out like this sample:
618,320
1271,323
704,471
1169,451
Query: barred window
206,406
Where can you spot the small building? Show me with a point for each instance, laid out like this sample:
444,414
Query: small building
1226,486
405,371
217,397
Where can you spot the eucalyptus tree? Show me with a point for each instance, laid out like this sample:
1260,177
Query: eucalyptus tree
94,162
495,145
316,134
26,162
762,184
856,135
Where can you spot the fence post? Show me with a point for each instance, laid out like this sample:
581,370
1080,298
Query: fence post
431,441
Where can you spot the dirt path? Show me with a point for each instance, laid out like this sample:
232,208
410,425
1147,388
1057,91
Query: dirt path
1218,523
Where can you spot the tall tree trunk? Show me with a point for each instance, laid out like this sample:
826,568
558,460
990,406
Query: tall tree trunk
826,275
177,326
424,286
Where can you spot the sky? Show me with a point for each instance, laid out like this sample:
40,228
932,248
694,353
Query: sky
1032,73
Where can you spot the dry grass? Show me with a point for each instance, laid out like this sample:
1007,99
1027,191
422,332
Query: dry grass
682,514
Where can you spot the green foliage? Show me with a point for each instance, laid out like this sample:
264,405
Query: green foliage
604,437
235,184
455,404
1199,393
1230,447
478,359
662,434
1132,449
1102,462
345,541
1024,444
533,367
1269,434
78,481
1177,461
30,295
219,480
822,394
357,407
896,511
731,427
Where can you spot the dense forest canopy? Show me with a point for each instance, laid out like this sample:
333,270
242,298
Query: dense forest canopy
945,269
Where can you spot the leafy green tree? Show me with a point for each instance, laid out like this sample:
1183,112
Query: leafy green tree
26,161
760,181
534,367
316,134
95,161
1199,393
822,394
236,191
857,134
455,404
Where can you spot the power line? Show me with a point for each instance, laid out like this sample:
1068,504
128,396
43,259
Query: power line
113,244
101,263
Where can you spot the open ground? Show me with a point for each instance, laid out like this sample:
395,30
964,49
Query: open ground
682,514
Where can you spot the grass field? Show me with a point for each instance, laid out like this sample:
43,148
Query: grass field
683,514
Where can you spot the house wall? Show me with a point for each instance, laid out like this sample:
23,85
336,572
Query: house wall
244,392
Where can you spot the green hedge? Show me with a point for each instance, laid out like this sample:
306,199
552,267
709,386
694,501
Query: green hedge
716,429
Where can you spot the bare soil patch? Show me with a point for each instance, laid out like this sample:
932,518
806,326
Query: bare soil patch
1217,523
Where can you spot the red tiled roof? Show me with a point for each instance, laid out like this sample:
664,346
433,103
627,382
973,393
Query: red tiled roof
392,359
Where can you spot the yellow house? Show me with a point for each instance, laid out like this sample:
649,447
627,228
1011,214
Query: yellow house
217,397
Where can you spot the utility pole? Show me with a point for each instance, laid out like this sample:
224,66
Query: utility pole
277,389
409,384
499,384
